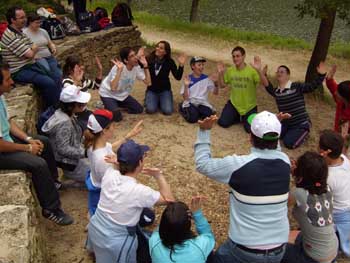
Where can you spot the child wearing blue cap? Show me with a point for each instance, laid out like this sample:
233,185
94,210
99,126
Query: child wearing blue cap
112,229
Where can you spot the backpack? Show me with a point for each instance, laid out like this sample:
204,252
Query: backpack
3,27
43,117
70,27
87,22
54,27
100,12
121,15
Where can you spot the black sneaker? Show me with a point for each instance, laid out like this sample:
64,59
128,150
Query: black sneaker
58,185
58,216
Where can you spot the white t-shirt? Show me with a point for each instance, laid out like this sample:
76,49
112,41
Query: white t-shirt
98,165
41,39
123,198
125,85
198,91
339,182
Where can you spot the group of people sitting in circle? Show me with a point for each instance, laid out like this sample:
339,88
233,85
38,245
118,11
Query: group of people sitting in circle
120,207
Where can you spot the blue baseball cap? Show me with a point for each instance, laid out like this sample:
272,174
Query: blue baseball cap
130,152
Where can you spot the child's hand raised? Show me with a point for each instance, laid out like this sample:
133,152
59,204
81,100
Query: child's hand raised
196,203
187,81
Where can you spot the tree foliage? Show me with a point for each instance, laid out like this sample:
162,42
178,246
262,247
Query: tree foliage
321,8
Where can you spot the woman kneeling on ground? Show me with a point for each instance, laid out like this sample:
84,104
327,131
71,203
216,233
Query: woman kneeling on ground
159,94
65,134
175,242
112,229
317,241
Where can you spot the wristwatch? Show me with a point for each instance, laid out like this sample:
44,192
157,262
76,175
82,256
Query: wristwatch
28,138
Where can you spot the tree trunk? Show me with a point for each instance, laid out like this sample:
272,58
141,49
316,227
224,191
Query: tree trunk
321,46
194,11
129,2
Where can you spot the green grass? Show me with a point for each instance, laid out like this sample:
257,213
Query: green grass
338,49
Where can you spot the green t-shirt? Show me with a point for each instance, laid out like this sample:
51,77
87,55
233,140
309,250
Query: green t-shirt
243,87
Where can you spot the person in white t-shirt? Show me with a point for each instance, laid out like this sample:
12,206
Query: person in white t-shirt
99,151
331,146
195,90
112,229
116,87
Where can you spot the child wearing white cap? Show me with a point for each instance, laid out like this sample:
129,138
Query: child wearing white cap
65,134
100,152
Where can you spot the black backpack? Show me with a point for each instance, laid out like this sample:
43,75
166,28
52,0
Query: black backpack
54,27
87,22
121,15
100,12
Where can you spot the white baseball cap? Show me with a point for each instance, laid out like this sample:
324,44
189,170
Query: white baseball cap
263,123
73,94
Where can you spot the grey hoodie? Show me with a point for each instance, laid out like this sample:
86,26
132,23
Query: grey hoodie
65,136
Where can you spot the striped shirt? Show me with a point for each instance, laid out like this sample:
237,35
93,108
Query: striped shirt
291,100
86,83
14,45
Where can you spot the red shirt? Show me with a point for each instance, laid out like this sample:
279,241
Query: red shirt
342,112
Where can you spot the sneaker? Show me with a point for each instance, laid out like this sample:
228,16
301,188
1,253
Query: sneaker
58,216
58,185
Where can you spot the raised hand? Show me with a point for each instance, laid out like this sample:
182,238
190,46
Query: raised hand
187,81
143,61
220,67
136,130
282,116
98,63
257,65
208,122
154,172
111,158
140,52
118,63
214,77
196,203
322,69
182,59
264,70
331,72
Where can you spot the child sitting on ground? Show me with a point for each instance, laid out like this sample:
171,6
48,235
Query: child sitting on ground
112,229
317,241
195,90
175,242
331,146
100,130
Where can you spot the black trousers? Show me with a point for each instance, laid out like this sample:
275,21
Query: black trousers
43,170
79,7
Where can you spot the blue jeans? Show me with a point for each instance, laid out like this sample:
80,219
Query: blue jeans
131,104
293,137
163,100
52,68
194,113
48,87
230,116
229,252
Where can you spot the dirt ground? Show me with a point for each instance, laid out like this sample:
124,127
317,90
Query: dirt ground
171,140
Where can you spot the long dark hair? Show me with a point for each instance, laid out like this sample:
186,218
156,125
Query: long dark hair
311,173
152,57
67,107
175,225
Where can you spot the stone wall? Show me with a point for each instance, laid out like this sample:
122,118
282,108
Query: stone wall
105,44
20,232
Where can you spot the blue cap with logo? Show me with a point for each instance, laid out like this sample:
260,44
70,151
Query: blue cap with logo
130,152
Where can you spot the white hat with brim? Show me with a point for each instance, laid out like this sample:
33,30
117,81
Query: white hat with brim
263,123
73,94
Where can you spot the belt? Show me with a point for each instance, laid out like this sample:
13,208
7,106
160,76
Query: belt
276,250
